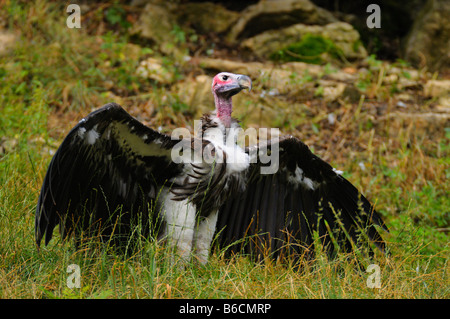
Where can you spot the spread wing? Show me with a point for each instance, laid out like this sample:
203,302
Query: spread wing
282,213
106,173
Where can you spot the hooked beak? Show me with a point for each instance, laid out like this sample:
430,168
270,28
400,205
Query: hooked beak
239,83
244,82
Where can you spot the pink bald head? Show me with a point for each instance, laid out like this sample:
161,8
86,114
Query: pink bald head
224,86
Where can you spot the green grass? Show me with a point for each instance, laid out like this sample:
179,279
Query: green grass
53,77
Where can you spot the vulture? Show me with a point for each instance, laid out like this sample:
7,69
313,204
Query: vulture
116,179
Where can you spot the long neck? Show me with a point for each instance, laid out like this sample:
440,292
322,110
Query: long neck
224,107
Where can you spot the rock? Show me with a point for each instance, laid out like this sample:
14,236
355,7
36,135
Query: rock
206,17
154,69
428,42
196,93
429,122
331,90
156,23
351,94
437,88
404,83
404,97
409,73
7,41
390,79
274,14
252,69
443,104
340,37
396,19
8,144
401,77
301,68
401,104
346,38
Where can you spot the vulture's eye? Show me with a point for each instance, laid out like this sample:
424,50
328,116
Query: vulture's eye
224,77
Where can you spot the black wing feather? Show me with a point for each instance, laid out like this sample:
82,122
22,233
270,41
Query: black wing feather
104,174
280,212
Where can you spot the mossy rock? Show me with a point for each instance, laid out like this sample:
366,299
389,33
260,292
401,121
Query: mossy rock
308,43
310,49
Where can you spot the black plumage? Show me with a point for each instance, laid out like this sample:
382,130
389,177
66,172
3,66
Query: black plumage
280,216
107,185
107,177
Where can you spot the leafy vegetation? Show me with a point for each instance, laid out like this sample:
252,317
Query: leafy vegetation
53,76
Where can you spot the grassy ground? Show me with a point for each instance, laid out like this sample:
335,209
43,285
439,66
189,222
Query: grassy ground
51,77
